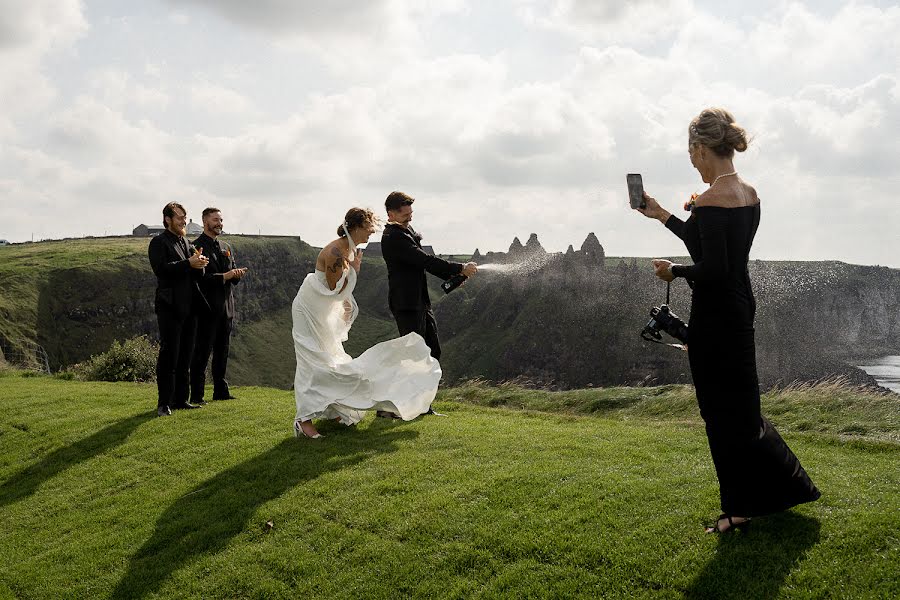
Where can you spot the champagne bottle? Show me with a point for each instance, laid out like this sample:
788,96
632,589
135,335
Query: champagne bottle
453,283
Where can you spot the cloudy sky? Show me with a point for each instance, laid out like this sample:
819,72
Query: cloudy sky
502,118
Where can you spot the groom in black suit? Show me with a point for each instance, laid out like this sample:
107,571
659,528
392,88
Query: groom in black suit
407,263
214,326
178,270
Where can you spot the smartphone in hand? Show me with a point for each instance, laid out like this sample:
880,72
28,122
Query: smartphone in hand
635,190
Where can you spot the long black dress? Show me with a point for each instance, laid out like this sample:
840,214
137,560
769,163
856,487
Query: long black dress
758,474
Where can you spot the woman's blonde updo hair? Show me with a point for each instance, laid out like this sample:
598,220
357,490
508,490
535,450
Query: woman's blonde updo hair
357,217
715,128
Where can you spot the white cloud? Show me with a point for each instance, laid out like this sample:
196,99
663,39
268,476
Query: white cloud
72,200
342,17
831,131
540,134
35,25
212,98
635,23
353,38
90,131
28,31
793,48
312,150
152,69
180,18
287,17
118,89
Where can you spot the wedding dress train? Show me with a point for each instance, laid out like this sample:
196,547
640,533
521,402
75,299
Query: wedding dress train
398,375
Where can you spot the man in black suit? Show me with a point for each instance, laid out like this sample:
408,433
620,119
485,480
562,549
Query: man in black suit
214,325
407,263
178,270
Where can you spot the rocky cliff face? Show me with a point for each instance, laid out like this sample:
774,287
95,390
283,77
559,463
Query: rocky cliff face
571,323
815,324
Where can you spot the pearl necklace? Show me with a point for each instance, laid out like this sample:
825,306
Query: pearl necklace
721,176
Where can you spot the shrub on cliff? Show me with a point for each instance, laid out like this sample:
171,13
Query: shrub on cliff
132,360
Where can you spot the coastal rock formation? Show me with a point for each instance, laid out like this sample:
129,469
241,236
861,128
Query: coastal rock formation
591,250
533,246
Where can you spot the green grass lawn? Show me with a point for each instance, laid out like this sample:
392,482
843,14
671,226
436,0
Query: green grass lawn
601,494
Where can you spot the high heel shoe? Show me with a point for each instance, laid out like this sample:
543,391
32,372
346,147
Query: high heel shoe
298,432
714,528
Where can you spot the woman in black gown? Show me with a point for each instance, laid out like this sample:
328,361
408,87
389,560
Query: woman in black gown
758,474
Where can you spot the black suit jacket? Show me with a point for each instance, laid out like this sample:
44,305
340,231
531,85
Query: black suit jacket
407,264
177,289
218,292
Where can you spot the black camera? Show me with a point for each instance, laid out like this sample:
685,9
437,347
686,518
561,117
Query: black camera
661,318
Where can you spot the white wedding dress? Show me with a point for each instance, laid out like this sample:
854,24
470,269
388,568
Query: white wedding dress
398,375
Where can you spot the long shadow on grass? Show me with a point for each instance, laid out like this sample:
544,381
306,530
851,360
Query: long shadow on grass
755,564
204,520
28,480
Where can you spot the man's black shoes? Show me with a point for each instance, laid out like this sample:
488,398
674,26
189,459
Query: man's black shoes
185,406
163,411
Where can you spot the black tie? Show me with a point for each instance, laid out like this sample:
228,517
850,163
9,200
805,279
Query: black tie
184,246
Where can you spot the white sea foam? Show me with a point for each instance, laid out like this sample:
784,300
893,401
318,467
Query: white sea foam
886,371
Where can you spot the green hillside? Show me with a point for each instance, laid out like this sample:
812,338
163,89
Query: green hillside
74,297
28,270
603,494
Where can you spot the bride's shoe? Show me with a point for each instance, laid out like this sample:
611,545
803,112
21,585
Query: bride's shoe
298,432
714,528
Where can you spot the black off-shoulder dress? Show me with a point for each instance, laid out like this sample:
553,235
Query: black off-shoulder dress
758,474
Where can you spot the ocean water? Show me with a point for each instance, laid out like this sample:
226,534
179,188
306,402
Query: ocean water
885,370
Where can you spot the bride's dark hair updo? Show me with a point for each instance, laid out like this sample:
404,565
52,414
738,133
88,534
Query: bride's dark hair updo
357,217
715,128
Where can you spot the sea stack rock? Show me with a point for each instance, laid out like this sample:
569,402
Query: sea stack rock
592,251
533,246
516,250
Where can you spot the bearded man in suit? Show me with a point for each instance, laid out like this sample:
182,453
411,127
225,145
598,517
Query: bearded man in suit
214,325
178,270
407,263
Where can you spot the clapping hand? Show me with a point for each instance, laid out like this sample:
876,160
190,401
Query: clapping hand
197,260
235,273
469,269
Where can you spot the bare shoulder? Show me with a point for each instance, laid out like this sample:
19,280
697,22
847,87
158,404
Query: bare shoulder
734,195
714,196
330,253
751,193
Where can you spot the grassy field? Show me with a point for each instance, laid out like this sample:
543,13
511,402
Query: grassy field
602,493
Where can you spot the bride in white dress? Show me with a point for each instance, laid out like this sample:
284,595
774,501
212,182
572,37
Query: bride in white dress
398,375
